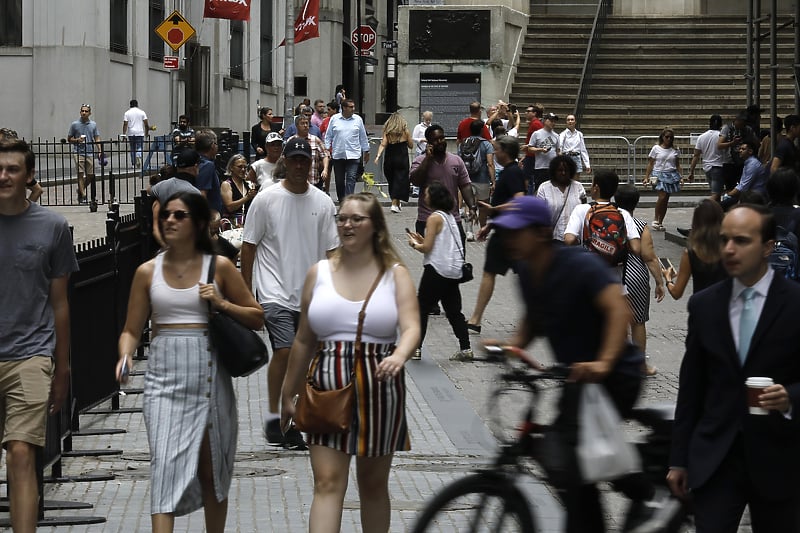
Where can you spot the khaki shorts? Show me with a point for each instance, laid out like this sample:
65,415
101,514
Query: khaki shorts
84,164
481,190
24,398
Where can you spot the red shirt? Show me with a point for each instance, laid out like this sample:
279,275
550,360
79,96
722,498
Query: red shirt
463,129
532,127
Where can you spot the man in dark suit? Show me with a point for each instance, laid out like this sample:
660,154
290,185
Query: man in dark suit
739,328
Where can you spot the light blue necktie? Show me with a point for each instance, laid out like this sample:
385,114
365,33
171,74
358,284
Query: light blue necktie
747,322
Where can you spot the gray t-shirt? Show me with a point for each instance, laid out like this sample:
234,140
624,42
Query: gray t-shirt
163,190
35,248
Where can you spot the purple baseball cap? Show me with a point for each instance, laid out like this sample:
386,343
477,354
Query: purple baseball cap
524,211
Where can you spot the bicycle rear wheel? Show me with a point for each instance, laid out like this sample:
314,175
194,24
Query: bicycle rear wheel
483,502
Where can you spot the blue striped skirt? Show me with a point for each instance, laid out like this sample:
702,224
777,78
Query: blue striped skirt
186,393
379,421
668,181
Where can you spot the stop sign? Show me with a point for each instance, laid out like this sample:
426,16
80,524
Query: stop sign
367,40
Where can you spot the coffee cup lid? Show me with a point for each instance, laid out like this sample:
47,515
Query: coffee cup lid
758,382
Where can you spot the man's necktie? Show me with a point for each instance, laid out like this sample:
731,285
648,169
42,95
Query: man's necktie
747,322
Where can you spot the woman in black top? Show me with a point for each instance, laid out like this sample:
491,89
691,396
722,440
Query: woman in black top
701,258
260,130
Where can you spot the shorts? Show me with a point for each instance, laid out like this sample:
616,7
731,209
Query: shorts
481,191
24,398
84,164
496,261
281,325
715,177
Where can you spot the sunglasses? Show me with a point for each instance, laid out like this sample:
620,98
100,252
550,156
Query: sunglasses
355,220
179,214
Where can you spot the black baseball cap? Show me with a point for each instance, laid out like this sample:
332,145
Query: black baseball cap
297,146
187,158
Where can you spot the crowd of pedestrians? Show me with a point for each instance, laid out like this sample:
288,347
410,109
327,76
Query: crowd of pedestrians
319,274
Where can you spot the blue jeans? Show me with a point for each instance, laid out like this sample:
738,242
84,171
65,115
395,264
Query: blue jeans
136,143
345,171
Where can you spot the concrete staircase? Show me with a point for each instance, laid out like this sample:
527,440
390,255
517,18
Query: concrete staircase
649,72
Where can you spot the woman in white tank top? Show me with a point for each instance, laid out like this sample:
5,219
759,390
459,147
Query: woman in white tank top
333,295
444,257
189,404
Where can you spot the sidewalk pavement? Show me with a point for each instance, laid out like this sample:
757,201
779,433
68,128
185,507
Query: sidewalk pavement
448,414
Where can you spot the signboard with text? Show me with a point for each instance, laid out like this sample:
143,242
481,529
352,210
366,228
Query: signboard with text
448,95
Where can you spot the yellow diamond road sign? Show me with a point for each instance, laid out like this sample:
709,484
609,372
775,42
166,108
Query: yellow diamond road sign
175,30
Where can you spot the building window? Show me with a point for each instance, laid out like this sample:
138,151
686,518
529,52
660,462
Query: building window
156,45
266,43
118,26
10,22
237,49
301,86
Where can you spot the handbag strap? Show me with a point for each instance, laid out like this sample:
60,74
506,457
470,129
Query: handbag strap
212,267
458,239
361,316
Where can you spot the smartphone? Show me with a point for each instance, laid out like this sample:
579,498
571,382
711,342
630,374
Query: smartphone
409,231
665,263
512,108
125,371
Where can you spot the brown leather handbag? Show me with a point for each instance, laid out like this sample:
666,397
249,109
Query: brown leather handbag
331,411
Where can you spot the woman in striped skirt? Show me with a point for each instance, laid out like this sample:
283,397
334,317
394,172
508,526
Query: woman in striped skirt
638,268
189,403
333,295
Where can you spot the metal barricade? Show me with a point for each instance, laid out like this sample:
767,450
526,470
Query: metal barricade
610,152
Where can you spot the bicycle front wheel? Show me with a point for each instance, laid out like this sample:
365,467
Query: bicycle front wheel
483,502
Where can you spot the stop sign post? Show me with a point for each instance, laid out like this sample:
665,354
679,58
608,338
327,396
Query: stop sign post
363,39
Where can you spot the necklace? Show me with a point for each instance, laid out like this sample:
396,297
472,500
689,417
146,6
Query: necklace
185,269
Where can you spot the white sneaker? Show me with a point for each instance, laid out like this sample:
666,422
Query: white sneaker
462,355
470,237
394,209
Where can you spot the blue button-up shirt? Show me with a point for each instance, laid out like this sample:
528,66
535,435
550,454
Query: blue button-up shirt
346,138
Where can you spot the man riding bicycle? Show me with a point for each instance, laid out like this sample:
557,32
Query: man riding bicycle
576,301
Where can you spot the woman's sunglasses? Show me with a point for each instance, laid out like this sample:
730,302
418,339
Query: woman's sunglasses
178,214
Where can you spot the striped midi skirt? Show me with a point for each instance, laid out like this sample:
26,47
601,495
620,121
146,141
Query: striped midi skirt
379,421
186,393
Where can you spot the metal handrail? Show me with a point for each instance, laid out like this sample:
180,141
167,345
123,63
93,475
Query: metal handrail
591,52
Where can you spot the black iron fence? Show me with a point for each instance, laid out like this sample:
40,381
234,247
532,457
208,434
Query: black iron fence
121,173
98,295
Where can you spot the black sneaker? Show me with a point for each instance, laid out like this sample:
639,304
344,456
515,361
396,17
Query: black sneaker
684,231
293,440
273,433
435,310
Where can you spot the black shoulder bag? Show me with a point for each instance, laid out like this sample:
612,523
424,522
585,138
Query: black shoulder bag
239,349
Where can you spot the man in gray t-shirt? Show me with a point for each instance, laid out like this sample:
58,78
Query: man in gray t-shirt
36,259
187,162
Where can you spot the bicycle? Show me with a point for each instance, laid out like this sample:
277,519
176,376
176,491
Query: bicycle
493,496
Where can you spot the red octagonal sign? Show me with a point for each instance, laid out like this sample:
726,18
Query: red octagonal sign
367,40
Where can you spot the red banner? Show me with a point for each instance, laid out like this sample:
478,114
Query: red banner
307,24
227,9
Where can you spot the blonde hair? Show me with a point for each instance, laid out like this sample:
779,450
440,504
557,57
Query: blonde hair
395,128
381,240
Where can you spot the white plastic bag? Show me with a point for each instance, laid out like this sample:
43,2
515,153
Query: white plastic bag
603,453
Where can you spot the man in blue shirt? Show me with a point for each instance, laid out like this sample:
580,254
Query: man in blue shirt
83,135
205,142
292,129
346,140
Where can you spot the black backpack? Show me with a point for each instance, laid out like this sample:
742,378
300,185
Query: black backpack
470,153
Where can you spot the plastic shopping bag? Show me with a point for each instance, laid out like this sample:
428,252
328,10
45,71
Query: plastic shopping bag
603,453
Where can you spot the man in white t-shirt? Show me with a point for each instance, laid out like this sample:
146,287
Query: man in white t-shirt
290,226
419,133
261,171
707,148
604,185
136,127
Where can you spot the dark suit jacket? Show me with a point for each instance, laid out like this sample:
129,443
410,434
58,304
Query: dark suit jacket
712,404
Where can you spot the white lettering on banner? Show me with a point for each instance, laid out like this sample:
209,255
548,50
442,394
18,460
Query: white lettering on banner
310,21
240,2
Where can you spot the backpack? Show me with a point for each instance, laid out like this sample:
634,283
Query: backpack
783,258
470,153
604,233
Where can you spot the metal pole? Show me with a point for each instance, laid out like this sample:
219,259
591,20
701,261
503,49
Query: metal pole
749,73
288,94
796,65
360,60
773,73
757,54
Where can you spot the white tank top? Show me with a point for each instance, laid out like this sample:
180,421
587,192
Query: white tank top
335,318
177,306
446,257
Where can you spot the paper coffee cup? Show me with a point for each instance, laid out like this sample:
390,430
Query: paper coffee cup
755,386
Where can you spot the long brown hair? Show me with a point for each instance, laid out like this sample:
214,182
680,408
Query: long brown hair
704,238
381,240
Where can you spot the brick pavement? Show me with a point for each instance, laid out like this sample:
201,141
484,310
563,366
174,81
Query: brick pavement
272,489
